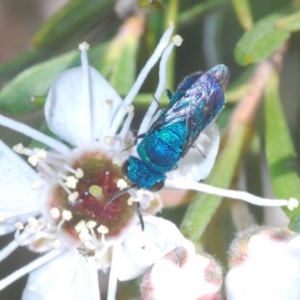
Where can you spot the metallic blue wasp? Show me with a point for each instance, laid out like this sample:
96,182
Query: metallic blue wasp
197,101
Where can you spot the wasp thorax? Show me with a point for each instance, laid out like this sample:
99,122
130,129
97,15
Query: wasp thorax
80,204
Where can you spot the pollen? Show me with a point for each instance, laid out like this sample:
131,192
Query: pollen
36,156
109,101
122,184
72,197
102,229
54,213
19,148
91,224
80,205
67,215
109,140
19,226
130,109
177,40
292,204
84,46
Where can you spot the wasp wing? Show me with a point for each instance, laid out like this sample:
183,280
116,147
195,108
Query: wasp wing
197,101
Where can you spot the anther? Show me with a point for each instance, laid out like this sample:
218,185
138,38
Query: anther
72,197
109,140
177,40
54,213
67,215
292,203
84,46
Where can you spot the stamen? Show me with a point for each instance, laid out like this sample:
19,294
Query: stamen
73,197
162,75
177,40
24,235
19,163
8,249
109,140
122,184
29,268
126,125
86,77
140,79
78,173
113,278
67,215
71,182
19,226
93,278
103,230
83,47
19,148
108,111
54,213
238,195
34,134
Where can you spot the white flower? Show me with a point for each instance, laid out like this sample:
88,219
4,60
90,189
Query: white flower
183,274
58,201
264,264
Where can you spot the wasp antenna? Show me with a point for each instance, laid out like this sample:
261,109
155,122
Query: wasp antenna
117,195
140,216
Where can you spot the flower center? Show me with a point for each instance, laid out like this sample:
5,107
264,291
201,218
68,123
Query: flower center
87,209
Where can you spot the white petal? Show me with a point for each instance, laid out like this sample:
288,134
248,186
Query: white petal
67,277
142,249
18,199
77,109
188,278
267,270
198,162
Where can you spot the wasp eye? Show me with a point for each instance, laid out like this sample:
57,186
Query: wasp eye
157,186
125,167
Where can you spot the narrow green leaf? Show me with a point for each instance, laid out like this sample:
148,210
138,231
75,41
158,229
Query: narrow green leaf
196,10
118,63
155,5
16,97
203,206
290,23
76,17
280,151
243,12
33,83
260,42
21,62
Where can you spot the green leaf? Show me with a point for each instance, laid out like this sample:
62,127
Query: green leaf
260,42
154,5
76,17
33,83
118,63
243,12
198,9
280,151
290,23
16,97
